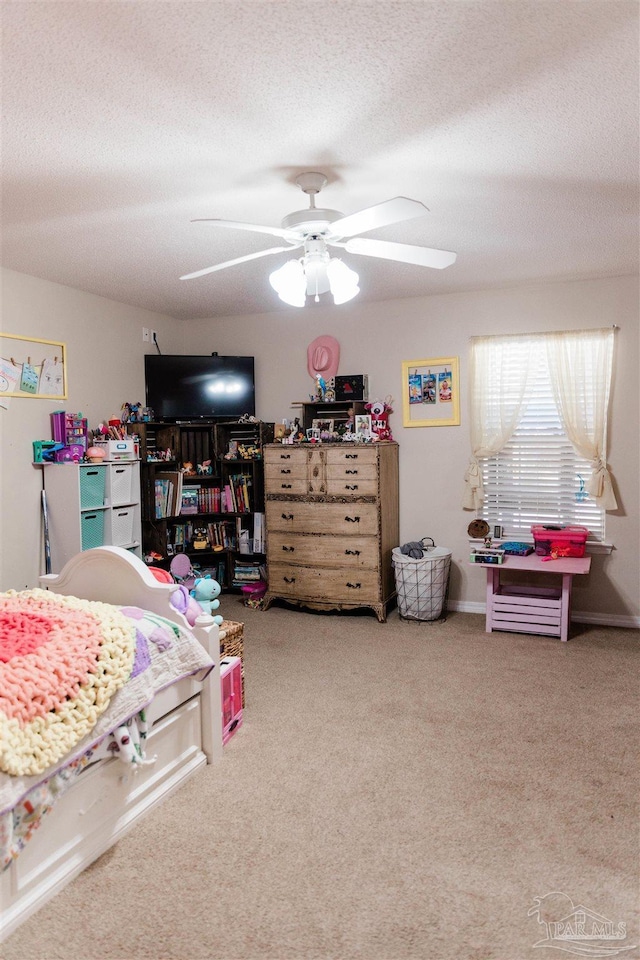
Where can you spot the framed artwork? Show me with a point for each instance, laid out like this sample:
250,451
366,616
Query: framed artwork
363,425
32,368
431,392
322,426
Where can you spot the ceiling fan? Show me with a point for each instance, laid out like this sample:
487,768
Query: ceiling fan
317,229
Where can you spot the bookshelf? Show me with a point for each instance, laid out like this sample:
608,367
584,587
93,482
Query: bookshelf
203,495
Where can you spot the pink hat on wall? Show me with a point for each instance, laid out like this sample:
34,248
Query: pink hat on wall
323,356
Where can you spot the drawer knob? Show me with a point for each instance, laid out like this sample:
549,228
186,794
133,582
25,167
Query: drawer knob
285,456
285,486
352,471
289,579
352,519
351,456
288,549
285,470
354,586
351,486
287,516
352,553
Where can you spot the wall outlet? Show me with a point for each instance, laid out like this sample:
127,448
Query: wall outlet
153,336
145,334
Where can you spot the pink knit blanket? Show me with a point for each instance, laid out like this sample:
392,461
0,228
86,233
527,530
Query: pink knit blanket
61,661
71,671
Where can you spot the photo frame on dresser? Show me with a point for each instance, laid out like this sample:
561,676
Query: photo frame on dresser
431,392
363,425
322,426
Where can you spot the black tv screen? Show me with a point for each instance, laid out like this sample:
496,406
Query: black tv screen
199,388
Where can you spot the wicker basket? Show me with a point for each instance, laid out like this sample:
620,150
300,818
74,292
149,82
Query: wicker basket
422,583
232,644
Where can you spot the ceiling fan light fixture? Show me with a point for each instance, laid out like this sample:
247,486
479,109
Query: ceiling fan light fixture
343,281
290,283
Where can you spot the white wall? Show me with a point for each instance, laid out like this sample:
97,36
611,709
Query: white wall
377,338
105,367
105,353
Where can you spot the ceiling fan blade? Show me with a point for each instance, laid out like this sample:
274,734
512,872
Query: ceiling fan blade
254,227
232,263
380,215
404,252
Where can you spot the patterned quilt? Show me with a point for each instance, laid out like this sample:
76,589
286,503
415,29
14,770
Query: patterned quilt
71,672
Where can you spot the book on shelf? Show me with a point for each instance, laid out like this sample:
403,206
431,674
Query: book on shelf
240,486
189,499
258,533
208,499
168,493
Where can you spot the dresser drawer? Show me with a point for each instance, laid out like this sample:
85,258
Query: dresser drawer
347,455
285,470
324,551
350,519
351,487
287,484
295,471
322,583
286,455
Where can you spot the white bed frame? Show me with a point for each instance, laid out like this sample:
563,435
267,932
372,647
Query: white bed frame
108,798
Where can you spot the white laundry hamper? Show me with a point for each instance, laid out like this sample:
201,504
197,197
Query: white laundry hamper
422,583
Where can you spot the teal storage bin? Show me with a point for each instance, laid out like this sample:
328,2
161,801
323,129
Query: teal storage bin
92,528
92,485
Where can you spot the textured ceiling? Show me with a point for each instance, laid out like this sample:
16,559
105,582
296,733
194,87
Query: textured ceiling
516,123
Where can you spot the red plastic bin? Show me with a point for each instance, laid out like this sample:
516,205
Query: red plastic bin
562,542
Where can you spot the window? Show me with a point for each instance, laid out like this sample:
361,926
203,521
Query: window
538,477
538,407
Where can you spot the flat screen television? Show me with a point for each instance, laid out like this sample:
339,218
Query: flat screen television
199,388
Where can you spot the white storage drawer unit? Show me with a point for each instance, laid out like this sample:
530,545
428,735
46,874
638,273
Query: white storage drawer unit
92,505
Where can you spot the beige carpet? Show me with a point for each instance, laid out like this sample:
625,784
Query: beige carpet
398,790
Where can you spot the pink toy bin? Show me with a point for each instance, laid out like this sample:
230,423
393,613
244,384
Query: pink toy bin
562,542
254,591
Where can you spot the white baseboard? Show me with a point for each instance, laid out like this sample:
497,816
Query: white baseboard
598,619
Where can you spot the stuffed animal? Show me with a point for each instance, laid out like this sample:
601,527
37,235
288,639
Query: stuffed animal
206,591
380,410
182,601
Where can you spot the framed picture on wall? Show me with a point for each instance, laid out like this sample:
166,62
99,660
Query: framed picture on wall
431,392
32,368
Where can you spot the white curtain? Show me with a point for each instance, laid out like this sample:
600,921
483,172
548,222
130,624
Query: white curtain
580,368
498,393
501,373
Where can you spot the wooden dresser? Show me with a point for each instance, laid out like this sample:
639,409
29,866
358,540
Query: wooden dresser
332,522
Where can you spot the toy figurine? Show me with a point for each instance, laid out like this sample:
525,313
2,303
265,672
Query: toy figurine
206,591
322,386
380,410
200,539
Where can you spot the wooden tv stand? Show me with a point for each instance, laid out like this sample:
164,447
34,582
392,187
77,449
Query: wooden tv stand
521,608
